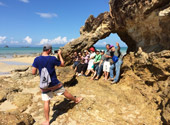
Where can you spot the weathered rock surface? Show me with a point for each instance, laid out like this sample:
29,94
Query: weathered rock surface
7,87
143,23
93,30
142,95
66,75
30,55
150,75
21,100
23,69
16,119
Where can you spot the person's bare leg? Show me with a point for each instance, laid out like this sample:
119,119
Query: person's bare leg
94,75
105,75
97,77
71,97
46,112
92,70
88,72
75,69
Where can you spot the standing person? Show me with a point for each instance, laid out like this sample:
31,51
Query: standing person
91,60
112,64
86,60
97,59
99,68
117,64
106,65
55,86
96,62
75,60
79,59
80,66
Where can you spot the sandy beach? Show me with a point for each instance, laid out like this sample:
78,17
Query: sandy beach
9,64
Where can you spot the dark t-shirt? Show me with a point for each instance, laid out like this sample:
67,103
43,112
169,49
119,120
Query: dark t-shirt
49,62
108,52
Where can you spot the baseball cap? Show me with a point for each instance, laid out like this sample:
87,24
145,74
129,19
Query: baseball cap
92,49
47,47
97,50
102,51
111,46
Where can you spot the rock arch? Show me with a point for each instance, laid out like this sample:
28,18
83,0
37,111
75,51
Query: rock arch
143,23
93,30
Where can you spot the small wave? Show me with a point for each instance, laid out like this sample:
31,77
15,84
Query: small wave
15,63
4,73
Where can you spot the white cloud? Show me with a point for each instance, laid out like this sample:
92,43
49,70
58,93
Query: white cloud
14,42
47,15
2,4
101,43
58,40
44,41
2,38
71,40
28,39
25,1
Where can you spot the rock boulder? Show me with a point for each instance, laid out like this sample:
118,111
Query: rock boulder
16,119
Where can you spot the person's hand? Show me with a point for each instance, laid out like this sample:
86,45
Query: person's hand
59,51
117,44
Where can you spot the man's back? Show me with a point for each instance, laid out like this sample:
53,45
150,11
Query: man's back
49,62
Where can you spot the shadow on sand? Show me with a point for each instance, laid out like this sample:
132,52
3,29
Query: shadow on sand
61,108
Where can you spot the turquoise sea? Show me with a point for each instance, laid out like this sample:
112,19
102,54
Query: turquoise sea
9,52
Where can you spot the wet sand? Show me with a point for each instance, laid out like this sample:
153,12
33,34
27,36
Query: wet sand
9,64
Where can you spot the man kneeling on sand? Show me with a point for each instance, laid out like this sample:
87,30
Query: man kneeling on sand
55,86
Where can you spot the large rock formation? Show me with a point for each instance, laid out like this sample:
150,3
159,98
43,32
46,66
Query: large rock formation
150,75
93,30
143,23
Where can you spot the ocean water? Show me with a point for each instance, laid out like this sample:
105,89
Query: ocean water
9,52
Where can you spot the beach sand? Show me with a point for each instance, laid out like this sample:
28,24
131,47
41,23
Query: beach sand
9,64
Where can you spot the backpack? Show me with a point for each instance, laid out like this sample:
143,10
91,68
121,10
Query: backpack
115,59
45,78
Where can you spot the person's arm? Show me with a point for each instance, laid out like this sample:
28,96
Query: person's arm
118,47
34,66
107,56
101,61
34,70
61,58
92,57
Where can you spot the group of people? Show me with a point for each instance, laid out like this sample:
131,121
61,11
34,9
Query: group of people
98,62
95,62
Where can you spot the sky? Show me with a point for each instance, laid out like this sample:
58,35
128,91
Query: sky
36,22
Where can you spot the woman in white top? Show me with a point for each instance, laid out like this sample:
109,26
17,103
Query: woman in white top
91,60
